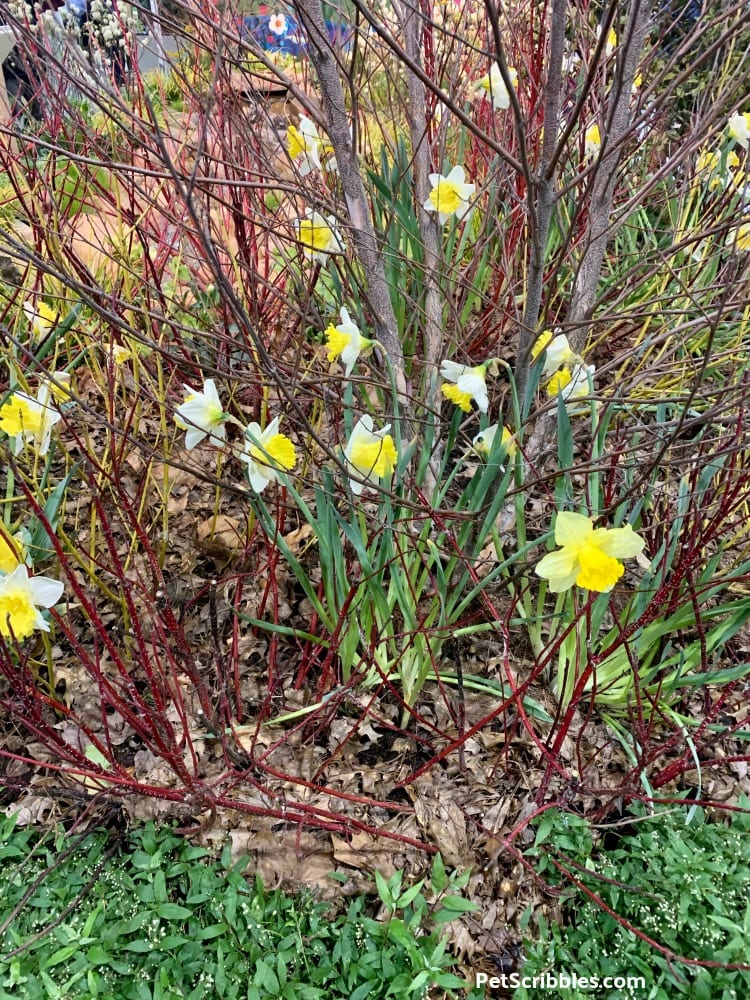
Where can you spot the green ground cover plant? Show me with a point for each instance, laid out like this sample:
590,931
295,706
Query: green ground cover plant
670,885
151,917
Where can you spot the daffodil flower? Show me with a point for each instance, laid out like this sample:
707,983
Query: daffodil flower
742,237
484,441
588,557
318,236
463,384
12,551
573,384
266,454
493,86
346,342
43,318
739,128
710,162
58,387
557,350
450,195
29,421
303,144
369,454
119,353
611,44
201,415
21,597
593,142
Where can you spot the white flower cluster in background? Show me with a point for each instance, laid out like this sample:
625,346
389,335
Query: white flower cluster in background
111,23
105,29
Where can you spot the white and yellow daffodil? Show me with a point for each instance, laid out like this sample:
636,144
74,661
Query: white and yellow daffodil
42,317
484,441
304,145
592,141
450,195
492,86
29,421
346,342
464,383
739,128
319,237
266,454
557,352
21,597
202,415
369,454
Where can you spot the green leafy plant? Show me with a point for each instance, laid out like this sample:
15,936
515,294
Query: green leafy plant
672,886
394,587
158,918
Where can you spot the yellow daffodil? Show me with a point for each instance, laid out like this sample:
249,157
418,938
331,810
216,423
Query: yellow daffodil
593,142
739,128
120,353
370,454
709,162
318,236
742,239
558,352
346,342
450,195
484,441
588,557
21,597
201,415
573,384
493,87
29,421
58,387
12,551
611,43
266,454
304,146
559,381
43,318
463,384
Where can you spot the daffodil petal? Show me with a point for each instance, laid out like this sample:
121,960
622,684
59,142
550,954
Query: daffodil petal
620,543
571,528
560,568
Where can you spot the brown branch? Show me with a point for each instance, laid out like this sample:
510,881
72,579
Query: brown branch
363,230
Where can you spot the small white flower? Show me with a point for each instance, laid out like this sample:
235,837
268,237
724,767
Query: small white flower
277,24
